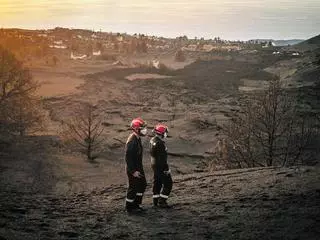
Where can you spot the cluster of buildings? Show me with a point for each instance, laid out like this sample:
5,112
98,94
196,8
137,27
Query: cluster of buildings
82,44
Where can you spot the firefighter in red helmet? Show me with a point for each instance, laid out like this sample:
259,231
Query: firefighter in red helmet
162,181
134,167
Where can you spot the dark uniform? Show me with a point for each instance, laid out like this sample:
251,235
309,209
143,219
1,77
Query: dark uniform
137,186
162,181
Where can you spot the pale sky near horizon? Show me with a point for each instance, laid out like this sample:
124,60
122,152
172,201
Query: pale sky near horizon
228,19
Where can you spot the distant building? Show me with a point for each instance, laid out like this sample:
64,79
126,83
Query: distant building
58,46
207,47
98,53
120,38
42,35
156,64
268,44
77,57
59,42
190,47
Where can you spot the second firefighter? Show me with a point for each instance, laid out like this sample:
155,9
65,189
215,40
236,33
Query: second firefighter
162,181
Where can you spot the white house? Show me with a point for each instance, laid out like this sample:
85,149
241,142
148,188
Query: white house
190,47
156,64
207,47
58,46
74,57
98,53
42,35
120,38
59,42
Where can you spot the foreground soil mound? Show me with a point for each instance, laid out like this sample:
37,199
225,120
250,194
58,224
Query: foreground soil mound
265,203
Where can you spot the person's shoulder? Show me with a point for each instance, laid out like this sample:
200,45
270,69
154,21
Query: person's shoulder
155,141
132,138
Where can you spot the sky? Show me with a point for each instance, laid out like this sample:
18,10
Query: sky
227,19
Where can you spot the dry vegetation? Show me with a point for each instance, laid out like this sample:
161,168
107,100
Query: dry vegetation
50,191
19,106
270,130
84,128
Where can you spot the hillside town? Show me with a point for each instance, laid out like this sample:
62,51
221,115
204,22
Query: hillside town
78,44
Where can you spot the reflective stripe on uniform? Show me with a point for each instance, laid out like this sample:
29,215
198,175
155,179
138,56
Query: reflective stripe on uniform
156,196
163,196
139,194
129,200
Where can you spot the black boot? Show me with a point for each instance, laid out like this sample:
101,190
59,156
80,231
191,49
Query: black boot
163,203
155,202
138,200
130,206
133,208
137,203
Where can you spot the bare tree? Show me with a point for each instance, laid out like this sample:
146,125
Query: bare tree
55,60
74,46
240,149
269,130
179,56
303,141
15,79
274,116
24,114
19,106
89,49
85,129
99,46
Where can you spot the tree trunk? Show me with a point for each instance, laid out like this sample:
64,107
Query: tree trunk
89,151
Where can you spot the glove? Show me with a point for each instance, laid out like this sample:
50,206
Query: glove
167,172
137,174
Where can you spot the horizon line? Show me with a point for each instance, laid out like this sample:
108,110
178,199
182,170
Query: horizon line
160,36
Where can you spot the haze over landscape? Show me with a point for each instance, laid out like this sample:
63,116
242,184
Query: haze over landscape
229,19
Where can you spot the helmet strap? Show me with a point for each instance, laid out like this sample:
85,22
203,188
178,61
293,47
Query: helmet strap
160,136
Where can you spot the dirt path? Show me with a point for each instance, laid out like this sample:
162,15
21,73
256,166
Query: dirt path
240,204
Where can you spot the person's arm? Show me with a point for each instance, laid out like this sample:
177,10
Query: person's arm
131,156
161,155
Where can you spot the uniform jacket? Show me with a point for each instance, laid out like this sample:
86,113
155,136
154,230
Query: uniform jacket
159,155
133,154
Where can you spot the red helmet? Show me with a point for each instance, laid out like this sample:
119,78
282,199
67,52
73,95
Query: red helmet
137,124
161,129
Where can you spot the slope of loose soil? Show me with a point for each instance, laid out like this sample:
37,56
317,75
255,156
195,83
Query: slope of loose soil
41,199
193,102
265,203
